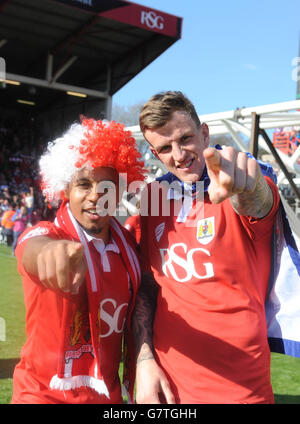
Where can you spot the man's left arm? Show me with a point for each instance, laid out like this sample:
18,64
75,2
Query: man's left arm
236,176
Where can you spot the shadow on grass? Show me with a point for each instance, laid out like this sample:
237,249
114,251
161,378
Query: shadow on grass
7,367
286,399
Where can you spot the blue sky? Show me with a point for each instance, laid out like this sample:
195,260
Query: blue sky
231,54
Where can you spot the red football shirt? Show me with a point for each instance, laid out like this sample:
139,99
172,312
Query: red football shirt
210,333
43,320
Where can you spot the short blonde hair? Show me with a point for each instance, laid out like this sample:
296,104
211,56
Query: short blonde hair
158,110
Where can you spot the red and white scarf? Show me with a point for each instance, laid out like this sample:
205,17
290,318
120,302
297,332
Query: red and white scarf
82,366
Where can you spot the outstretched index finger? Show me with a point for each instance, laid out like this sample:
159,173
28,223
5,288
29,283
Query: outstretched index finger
212,159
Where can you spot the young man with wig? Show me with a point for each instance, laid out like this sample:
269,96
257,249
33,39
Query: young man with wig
80,273
200,325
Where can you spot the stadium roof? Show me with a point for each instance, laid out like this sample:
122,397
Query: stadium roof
92,47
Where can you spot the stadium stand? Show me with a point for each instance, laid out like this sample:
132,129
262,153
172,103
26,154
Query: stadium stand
53,48
19,180
87,49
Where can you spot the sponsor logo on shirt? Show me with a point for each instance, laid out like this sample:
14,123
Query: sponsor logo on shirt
159,230
182,264
206,230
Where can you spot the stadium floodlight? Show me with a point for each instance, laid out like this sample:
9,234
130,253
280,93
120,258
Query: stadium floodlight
26,102
76,94
12,82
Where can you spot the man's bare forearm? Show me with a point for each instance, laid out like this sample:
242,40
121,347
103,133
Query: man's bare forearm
143,317
257,203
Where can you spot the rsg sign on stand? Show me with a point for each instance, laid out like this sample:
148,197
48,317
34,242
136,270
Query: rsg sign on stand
152,20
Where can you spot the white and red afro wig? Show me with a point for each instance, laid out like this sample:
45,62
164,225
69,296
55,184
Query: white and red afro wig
90,144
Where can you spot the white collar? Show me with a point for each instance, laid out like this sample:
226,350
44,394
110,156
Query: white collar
100,245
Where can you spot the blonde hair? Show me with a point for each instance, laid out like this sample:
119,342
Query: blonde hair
159,109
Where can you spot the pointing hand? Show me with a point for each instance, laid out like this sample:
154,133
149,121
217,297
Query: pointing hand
230,172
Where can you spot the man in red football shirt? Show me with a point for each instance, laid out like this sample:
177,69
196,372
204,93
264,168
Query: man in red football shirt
199,323
80,273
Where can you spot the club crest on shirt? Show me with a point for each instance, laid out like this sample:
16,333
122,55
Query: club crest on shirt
206,230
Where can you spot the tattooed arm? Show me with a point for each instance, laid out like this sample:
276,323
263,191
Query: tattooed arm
150,378
257,203
143,317
233,174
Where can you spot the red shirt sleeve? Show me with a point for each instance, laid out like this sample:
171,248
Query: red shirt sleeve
43,228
